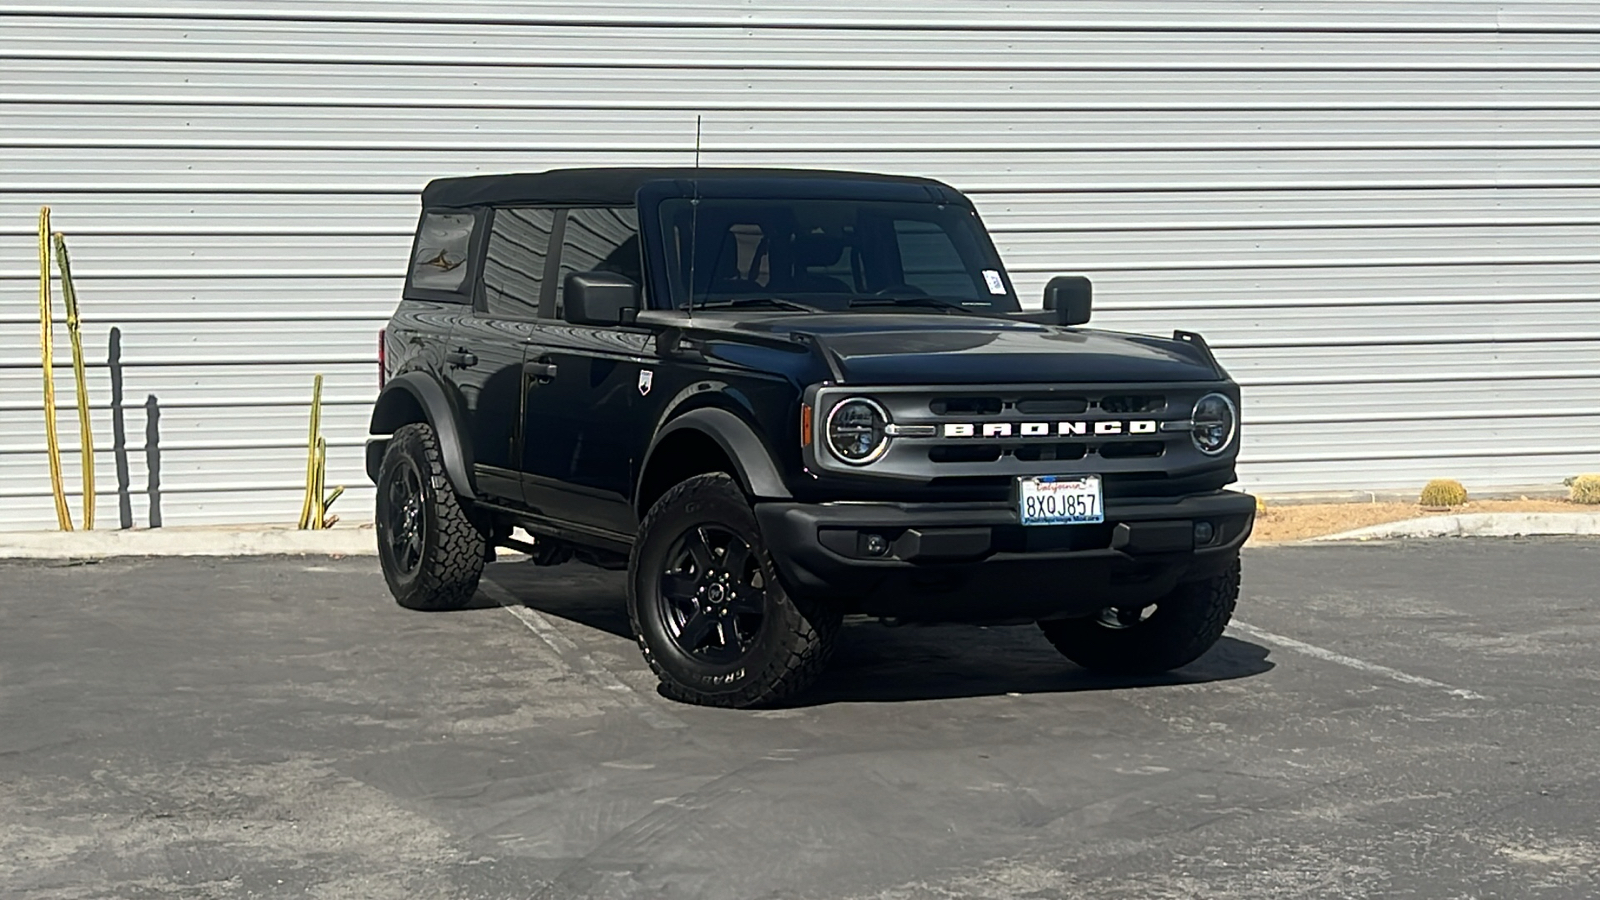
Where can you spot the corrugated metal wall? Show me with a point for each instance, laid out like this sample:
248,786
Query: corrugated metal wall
1386,215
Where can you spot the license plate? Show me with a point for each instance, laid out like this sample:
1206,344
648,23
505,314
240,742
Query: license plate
1060,500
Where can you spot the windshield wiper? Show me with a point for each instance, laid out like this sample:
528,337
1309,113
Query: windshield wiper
913,300
745,302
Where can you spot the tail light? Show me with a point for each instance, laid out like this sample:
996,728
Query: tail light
383,357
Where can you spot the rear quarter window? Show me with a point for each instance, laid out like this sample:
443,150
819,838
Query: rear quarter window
444,244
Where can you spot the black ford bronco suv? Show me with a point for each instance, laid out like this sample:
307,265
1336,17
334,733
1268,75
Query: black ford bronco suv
777,397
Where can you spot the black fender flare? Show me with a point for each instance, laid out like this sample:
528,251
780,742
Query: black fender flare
752,461
393,409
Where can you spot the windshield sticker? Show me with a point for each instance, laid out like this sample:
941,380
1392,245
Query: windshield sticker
996,284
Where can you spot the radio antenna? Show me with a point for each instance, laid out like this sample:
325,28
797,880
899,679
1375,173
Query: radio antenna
694,215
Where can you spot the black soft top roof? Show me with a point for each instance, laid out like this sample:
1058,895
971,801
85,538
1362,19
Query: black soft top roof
618,186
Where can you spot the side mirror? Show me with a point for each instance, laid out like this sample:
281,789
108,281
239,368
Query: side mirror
598,298
1071,296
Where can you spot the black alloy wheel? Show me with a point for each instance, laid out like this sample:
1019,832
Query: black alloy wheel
712,595
406,531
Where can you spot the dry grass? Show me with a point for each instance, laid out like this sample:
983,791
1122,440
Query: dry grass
1293,523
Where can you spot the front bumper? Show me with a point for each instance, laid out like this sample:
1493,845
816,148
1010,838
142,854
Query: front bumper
974,561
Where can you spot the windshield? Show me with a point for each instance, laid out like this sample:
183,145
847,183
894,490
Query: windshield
807,255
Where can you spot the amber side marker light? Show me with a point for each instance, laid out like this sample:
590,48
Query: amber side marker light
805,424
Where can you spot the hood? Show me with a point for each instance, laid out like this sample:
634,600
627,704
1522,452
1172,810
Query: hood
909,348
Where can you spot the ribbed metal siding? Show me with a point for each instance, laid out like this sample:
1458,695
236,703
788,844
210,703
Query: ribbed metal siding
1385,215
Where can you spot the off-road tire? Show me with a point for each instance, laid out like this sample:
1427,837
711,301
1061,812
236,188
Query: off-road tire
797,633
454,545
1185,624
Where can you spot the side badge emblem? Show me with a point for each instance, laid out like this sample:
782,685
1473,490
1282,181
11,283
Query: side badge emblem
645,378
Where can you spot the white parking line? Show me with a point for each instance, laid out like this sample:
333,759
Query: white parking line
1361,665
580,662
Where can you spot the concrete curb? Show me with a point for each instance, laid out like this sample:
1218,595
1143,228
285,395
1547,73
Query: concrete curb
1512,492
237,541
1474,525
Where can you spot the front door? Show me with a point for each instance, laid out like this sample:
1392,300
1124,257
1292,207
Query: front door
582,444
580,450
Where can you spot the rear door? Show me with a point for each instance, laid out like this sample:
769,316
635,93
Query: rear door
488,348
583,439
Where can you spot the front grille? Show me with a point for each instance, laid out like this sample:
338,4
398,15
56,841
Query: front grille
1051,406
1124,404
982,453
965,453
1046,405
966,406
978,427
1036,452
950,435
990,452
1133,450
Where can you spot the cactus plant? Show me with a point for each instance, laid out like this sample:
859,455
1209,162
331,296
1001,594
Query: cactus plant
69,294
1586,489
1443,492
48,366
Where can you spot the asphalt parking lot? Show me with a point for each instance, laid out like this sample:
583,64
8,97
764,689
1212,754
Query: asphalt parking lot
1402,720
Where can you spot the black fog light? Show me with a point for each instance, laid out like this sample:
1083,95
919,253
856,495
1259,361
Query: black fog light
874,544
1204,532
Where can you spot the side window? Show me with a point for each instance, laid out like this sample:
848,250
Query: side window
600,239
929,260
439,262
513,269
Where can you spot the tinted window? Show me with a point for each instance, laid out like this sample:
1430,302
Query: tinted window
600,240
831,254
930,262
439,262
513,269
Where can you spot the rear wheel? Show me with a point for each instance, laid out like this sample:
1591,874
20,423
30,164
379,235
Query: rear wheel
430,548
1172,632
710,616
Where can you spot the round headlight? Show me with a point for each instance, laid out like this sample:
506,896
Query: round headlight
858,431
1216,422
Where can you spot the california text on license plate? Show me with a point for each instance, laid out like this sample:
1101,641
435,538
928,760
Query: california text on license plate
1060,500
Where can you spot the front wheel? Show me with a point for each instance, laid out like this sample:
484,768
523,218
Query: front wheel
710,616
1173,632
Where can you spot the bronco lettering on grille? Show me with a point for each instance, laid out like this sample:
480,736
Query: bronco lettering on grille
1104,428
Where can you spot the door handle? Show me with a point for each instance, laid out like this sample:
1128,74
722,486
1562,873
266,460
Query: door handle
543,371
461,359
